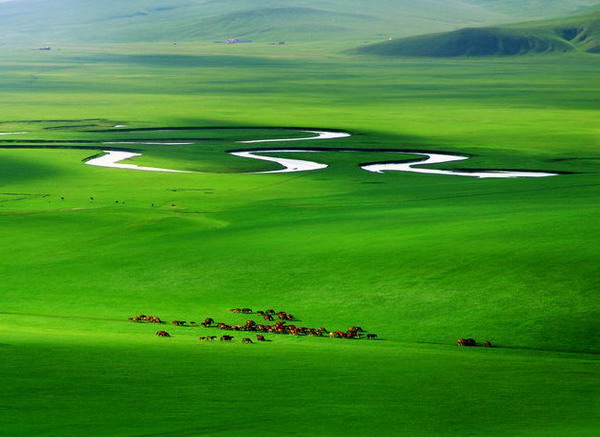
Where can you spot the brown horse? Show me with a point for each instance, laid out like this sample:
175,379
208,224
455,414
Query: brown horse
371,336
467,342
246,340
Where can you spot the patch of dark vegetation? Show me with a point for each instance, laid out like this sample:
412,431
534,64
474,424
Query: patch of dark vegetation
573,159
89,158
475,170
569,34
74,147
187,128
354,150
46,142
70,126
157,140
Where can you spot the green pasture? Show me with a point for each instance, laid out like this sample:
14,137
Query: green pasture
421,260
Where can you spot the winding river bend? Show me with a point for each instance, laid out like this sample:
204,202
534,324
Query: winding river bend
115,158
438,158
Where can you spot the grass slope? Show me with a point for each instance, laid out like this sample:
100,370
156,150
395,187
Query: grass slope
561,36
419,259
537,8
69,21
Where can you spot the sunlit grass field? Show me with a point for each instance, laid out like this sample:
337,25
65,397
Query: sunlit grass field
421,260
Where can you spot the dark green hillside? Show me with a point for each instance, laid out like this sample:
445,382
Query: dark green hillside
470,42
581,33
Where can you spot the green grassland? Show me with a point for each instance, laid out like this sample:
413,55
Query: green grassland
421,260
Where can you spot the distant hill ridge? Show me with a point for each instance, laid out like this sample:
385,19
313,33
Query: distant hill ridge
580,33
94,21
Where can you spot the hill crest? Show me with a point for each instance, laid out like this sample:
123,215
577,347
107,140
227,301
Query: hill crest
574,34
97,21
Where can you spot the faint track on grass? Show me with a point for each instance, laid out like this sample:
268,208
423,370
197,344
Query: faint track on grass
56,316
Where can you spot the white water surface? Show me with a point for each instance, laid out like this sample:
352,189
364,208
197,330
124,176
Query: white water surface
112,159
156,143
321,135
438,158
13,133
290,165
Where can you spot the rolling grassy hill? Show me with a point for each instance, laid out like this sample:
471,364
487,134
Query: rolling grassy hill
418,259
93,21
578,33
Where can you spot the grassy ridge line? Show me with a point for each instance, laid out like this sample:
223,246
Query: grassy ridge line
578,33
177,20
538,9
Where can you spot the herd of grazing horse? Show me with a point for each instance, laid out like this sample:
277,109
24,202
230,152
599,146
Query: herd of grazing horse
282,327
279,327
